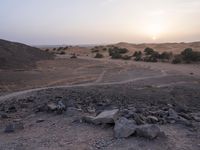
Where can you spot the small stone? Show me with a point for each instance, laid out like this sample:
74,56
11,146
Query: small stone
51,106
19,126
3,115
152,119
40,120
60,107
124,128
9,128
148,131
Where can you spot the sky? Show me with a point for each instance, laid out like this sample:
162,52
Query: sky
50,22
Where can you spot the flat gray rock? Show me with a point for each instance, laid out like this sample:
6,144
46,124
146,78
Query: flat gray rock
108,116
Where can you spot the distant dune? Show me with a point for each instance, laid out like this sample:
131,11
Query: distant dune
16,55
170,47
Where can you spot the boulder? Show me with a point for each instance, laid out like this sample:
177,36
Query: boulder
124,128
148,131
108,116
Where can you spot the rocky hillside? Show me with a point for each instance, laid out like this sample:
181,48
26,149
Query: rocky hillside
16,55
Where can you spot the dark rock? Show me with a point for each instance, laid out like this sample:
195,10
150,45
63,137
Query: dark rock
172,114
60,107
184,121
180,108
40,120
19,125
72,111
3,115
124,128
196,116
12,109
139,119
148,131
9,128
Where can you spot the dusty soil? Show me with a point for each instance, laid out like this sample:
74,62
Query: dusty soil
86,84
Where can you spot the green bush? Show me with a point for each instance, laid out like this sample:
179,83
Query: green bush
177,59
116,56
137,53
166,55
148,51
115,50
189,55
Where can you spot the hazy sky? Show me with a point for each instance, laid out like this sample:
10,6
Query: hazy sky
99,21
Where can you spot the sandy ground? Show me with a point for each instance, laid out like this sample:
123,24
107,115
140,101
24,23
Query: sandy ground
87,81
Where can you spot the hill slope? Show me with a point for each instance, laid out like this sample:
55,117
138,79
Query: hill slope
16,55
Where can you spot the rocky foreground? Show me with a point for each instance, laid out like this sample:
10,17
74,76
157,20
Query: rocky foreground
154,114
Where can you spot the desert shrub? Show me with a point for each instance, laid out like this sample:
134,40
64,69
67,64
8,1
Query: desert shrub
150,59
62,52
148,51
166,55
138,58
189,55
126,57
177,59
116,55
98,55
54,49
47,50
152,56
115,50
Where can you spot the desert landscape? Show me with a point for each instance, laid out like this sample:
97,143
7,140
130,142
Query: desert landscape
99,75
49,103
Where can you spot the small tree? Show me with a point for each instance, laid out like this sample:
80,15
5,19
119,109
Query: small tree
148,51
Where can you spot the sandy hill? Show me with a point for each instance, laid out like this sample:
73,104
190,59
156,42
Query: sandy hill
16,55
173,47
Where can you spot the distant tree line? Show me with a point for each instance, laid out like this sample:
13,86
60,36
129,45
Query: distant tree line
150,55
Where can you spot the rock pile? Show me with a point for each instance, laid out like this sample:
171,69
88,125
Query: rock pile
145,124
